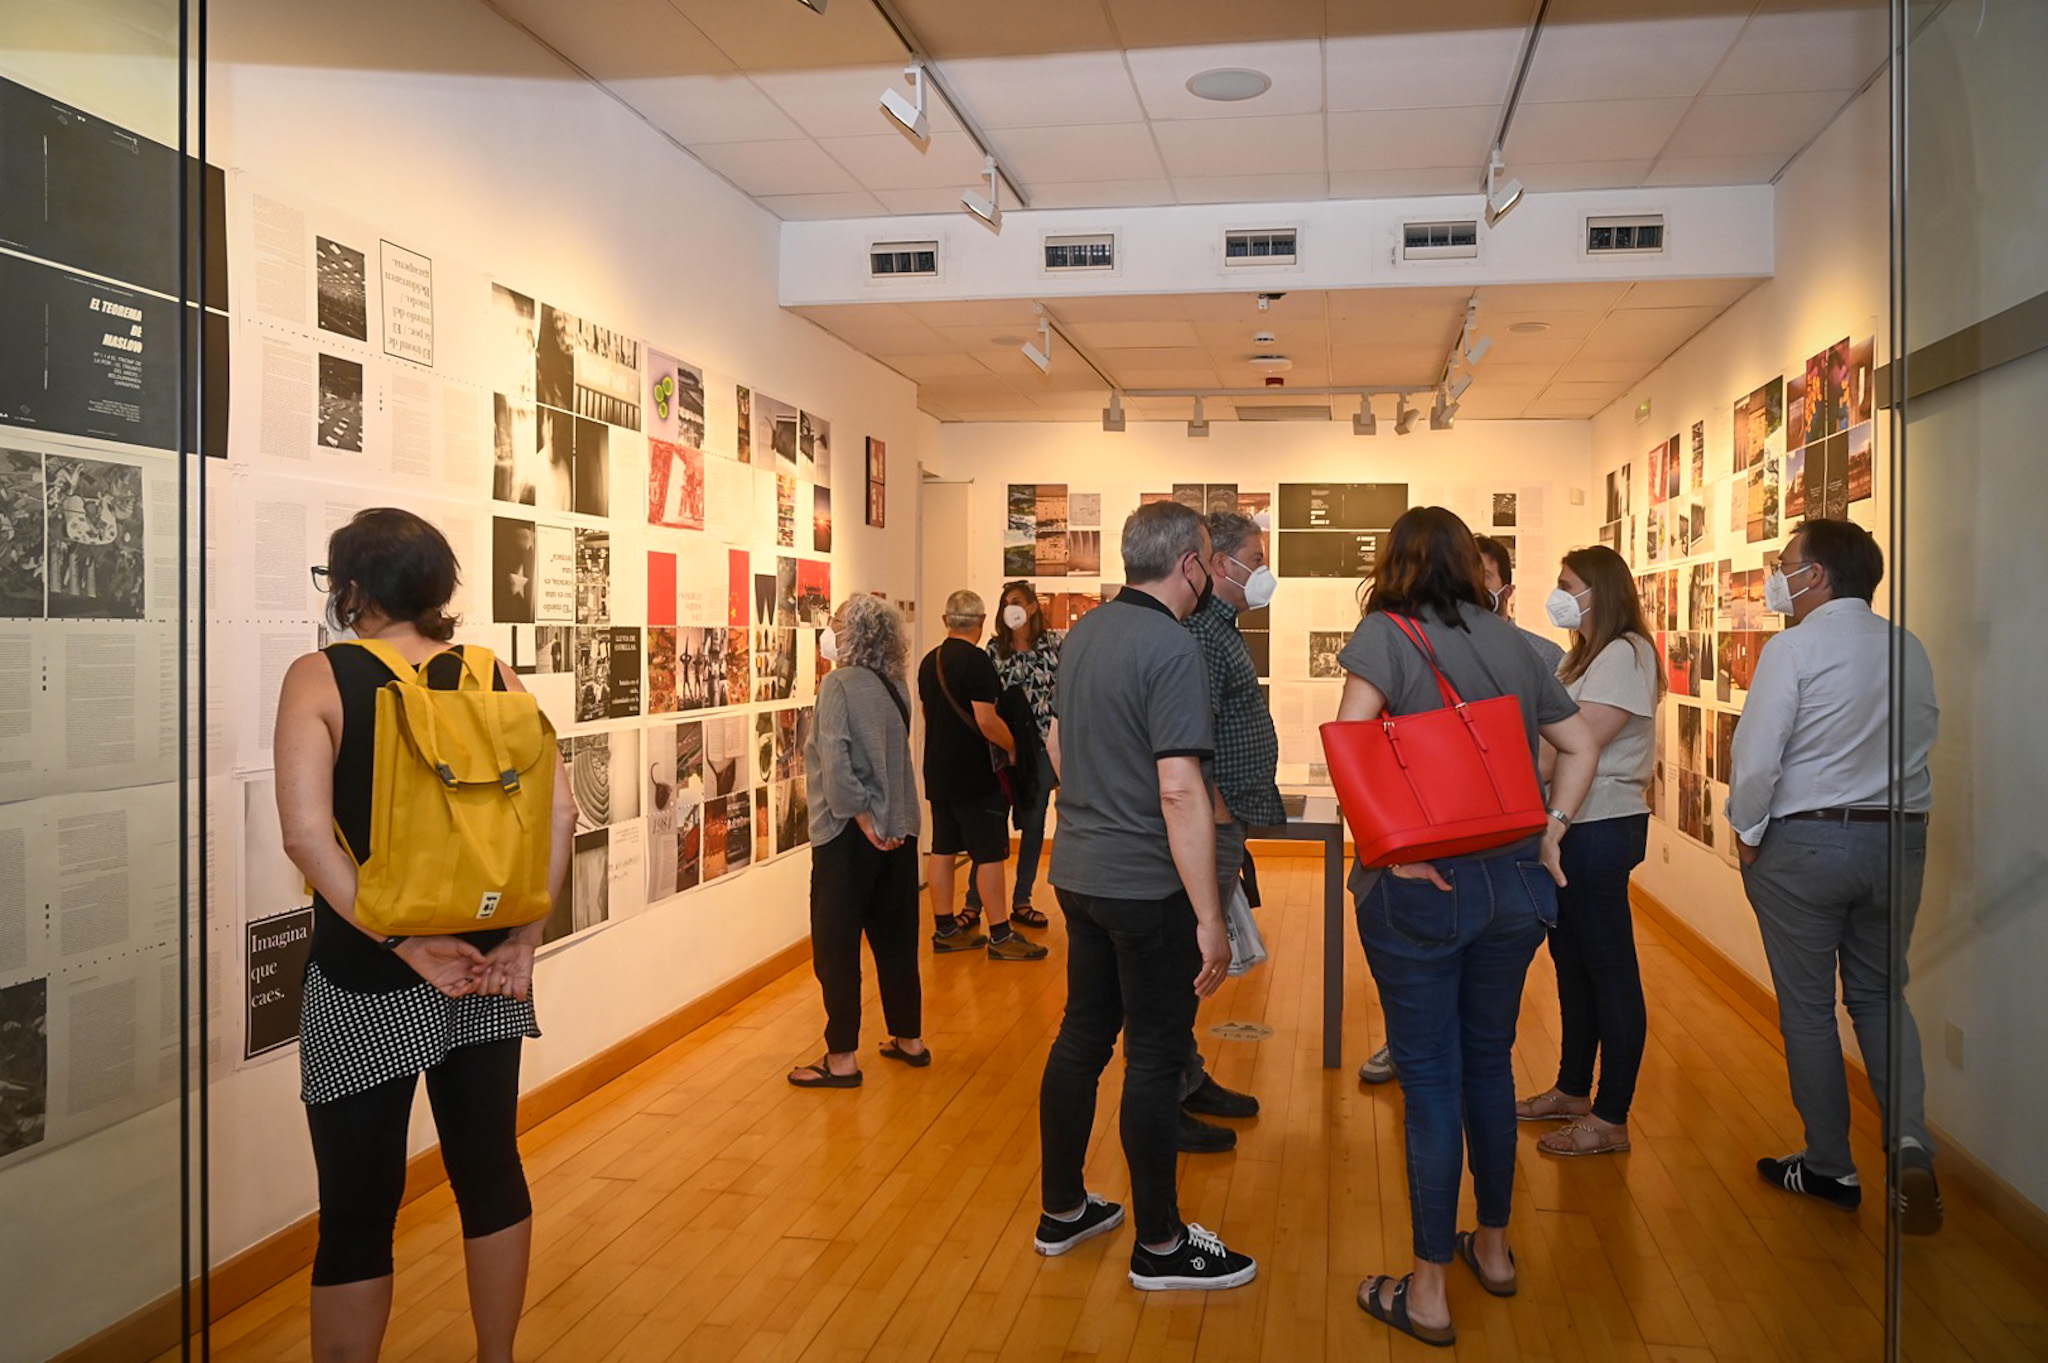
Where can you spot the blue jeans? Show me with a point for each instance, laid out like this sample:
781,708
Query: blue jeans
1450,969
1030,838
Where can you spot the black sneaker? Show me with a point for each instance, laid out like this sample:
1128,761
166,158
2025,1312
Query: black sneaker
1793,1176
1379,1067
1200,1262
1917,1196
1194,1137
1214,1100
1055,1237
958,939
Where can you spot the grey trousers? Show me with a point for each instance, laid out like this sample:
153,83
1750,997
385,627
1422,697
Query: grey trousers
1822,895
1230,839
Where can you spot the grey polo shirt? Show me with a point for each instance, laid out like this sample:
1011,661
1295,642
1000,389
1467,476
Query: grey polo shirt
1131,690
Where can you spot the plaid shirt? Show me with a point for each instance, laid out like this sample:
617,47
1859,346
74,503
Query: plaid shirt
1247,748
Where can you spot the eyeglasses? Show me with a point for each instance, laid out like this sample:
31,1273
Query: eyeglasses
323,581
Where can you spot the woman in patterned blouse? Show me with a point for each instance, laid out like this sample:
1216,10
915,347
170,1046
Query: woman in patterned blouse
1027,655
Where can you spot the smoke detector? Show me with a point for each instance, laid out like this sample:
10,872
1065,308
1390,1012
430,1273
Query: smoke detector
1264,338
1272,364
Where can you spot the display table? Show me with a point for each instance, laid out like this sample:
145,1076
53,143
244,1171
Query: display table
1321,821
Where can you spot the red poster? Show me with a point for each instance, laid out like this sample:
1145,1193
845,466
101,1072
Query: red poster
661,589
739,583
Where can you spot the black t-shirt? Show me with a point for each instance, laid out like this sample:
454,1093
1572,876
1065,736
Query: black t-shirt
956,760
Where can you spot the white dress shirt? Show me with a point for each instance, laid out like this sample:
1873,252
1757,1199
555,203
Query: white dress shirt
1815,732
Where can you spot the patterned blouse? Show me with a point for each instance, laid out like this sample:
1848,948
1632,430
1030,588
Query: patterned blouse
1034,670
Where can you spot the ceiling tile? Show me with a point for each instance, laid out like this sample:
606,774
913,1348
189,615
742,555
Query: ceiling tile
1686,293
1241,305
950,364
1251,189
1445,304
1120,308
1110,336
1421,70
1810,49
888,161
699,109
788,37
1233,340
787,167
931,199
1590,297
951,31
1296,70
1415,183
1638,59
1102,194
1045,91
1129,376
1583,370
1497,374
1117,151
1400,139
821,207
1594,130
1727,125
1541,178
847,101
1716,170
1651,333
1290,144
614,39
1156,23
993,314
1163,357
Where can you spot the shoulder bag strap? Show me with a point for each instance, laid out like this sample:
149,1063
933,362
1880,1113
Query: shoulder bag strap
902,706
1413,629
939,666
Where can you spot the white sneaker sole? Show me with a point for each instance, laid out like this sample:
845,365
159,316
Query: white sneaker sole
1201,1284
1055,1249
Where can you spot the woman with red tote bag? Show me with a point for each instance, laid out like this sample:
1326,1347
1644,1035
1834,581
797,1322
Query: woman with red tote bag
1449,941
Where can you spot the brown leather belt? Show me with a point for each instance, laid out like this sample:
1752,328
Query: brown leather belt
1856,814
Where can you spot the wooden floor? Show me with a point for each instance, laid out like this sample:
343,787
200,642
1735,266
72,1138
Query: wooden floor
699,1208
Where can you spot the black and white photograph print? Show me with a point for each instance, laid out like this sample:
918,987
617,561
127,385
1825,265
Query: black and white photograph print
591,879
343,305
1504,509
341,404
24,1064
553,469
774,664
785,592
515,563
593,577
814,449
593,465
94,527
1618,493
743,441
726,742
22,534
513,344
775,435
555,359
1323,648
514,451
604,374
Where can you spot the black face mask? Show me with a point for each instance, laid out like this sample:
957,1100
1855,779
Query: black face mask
1208,590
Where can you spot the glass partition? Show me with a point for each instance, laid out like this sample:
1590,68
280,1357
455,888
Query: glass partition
104,282
1969,564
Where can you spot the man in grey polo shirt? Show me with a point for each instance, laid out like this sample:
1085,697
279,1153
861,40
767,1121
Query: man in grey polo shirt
1134,867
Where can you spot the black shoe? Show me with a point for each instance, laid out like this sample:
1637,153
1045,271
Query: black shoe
1793,1176
1200,1138
1917,1196
1214,1100
1056,1237
1379,1067
959,939
1200,1261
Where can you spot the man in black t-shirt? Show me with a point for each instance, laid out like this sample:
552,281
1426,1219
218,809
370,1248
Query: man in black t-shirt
957,686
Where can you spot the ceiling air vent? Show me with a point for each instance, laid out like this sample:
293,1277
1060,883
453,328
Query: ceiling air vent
903,260
1262,246
1636,235
1094,251
1440,240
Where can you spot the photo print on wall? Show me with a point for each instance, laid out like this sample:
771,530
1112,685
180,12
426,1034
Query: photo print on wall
341,290
878,483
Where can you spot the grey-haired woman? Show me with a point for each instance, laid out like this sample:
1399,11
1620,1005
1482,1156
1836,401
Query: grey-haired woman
864,821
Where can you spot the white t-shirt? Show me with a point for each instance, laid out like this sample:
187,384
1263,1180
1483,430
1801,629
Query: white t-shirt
1624,676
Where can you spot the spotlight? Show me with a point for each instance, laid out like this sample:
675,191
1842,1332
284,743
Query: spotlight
1500,198
1040,354
1365,423
1404,416
1456,388
910,116
1478,350
815,6
988,210
1443,413
1198,426
1113,415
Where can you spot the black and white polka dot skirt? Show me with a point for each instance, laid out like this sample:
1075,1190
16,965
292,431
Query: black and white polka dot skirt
350,1042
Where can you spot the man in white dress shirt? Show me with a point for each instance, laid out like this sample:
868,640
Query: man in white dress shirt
1814,802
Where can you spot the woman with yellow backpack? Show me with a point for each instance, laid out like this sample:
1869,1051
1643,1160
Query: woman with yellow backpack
422,795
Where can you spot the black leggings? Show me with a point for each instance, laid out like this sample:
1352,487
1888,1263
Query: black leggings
359,1151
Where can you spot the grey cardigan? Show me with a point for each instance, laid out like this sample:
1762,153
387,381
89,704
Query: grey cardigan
858,757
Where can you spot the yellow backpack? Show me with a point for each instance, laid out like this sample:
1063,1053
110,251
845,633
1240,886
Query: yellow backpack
461,802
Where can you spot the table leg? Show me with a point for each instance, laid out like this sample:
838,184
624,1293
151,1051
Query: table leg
1333,950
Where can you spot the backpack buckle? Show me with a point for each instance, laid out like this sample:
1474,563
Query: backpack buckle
509,779
446,772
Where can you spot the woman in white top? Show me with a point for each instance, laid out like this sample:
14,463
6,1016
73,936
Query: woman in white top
1613,673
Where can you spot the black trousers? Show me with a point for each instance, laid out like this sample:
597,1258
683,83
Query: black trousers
359,1153
1599,983
856,889
1131,966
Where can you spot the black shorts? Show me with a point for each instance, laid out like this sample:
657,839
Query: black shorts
980,828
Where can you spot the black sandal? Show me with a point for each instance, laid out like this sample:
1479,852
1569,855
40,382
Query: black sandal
891,1051
1396,1315
968,918
826,1079
1024,916
1499,1287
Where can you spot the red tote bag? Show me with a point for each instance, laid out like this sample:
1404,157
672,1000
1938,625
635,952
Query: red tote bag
1441,783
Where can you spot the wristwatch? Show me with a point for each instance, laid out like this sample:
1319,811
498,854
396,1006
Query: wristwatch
1560,816
392,943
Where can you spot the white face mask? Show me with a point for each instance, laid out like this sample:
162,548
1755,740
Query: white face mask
1259,587
1015,616
828,644
1563,608
1778,593
1499,595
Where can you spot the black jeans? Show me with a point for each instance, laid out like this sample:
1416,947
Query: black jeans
1599,983
857,888
1131,966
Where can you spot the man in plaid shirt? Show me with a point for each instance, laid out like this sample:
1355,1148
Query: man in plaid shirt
1247,754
